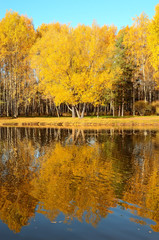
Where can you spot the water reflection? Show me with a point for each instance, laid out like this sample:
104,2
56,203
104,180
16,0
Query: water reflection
82,174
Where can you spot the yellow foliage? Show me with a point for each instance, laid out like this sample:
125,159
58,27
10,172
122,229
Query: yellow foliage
74,64
153,39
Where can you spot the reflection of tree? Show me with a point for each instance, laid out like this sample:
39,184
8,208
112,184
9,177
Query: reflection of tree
79,173
143,187
17,170
77,136
75,181
85,180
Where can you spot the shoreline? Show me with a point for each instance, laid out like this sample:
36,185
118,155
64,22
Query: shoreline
68,122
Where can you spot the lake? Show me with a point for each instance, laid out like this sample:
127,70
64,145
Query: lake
79,184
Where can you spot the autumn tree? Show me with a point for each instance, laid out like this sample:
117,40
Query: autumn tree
137,50
123,71
17,35
153,41
73,65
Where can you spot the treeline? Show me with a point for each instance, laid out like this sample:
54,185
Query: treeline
58,70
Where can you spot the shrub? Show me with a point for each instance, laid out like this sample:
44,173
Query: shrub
143,108
155,106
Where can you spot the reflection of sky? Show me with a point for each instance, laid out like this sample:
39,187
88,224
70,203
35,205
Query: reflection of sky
37,153
117,226
92,141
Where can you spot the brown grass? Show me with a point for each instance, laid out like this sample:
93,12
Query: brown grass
64,122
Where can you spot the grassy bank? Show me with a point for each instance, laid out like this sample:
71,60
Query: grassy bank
102,122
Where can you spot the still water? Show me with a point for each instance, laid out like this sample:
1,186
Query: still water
75,184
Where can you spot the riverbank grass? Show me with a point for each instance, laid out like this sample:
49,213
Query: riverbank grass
85,122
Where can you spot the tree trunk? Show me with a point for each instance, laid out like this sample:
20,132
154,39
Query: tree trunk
15,112
144,84
73,111
83,110
57,110
78,114
133,101
82,114
122,106
145,99
97,111
122,110
113,110
150,96
119,111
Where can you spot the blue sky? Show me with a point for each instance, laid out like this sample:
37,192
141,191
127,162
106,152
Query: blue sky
117,12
